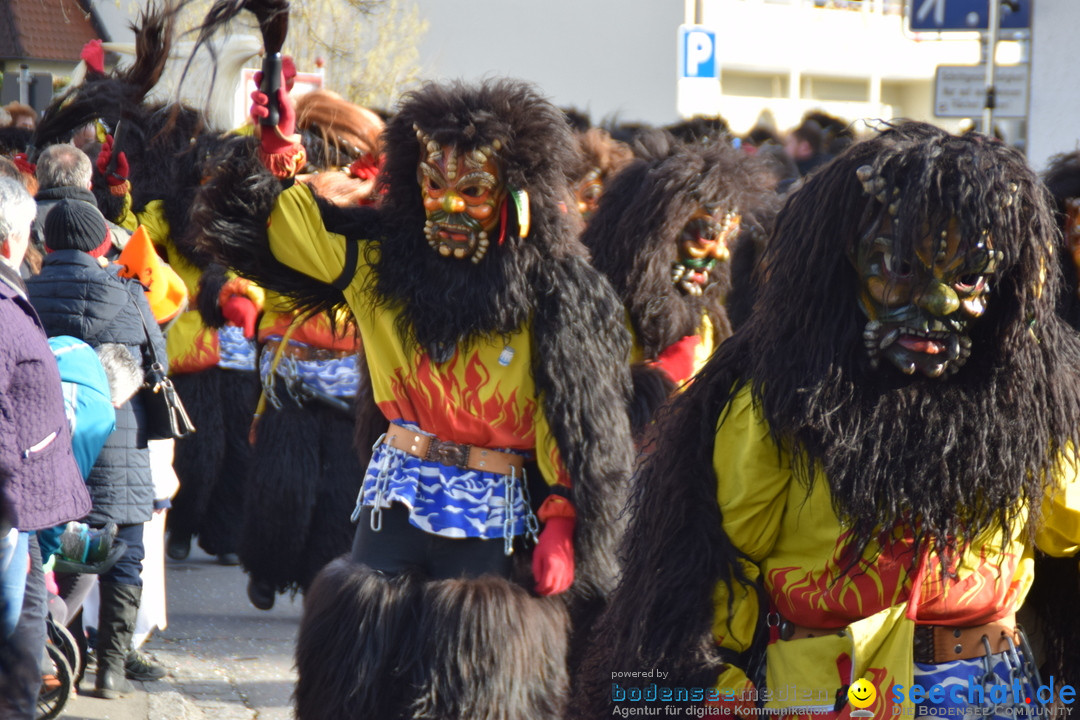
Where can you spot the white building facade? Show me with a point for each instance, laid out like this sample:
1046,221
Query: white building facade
851,58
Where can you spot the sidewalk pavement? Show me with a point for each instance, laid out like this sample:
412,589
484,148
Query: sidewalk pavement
226,660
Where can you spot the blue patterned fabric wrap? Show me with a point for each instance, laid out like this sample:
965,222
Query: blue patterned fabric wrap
236,351
968,676
337,378
444,500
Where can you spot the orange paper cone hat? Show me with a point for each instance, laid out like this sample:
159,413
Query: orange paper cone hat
166,292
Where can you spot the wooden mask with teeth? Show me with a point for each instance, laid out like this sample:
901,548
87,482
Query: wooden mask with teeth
920,301
464,196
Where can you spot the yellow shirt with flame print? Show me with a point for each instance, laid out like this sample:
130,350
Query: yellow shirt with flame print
483,395
794,542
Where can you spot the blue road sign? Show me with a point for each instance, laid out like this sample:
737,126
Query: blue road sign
697,52
954,15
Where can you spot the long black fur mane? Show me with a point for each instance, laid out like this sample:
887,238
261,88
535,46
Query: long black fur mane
580,362
1062,179
494,295
1055,592
576,316
891,447
894,447
634,235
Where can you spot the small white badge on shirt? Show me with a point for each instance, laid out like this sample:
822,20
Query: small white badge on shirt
506,356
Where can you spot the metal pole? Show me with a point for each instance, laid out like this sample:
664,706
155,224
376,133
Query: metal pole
698,14
993,24
24,84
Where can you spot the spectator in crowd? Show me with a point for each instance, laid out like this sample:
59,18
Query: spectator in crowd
780,164
63,171
75,295
22,116
805,145
40,483
31,261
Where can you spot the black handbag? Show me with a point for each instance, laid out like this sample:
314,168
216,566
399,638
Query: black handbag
166,417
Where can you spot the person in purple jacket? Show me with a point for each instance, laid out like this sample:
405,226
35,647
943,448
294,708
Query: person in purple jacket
40,482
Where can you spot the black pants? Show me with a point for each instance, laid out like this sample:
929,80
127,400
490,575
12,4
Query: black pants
399,546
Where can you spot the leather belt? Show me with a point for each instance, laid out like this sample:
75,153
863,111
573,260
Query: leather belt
942,643
466,457
937,643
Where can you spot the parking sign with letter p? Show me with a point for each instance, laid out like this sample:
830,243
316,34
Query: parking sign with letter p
697,52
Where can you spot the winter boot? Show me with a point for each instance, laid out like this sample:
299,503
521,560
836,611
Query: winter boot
138,666
116,624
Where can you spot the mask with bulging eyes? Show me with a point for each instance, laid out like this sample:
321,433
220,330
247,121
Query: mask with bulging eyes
588,192
920,308
463,195
702,244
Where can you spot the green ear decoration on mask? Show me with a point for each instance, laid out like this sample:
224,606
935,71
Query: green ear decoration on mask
521,205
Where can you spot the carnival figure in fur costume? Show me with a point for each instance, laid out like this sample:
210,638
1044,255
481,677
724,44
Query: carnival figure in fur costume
493,348
664,233
1055,594
1062,178
305,468
602,158
852,488
153,165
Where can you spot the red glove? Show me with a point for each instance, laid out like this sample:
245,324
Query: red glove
364,167
119,175
241,312
94,56
285,138
553,559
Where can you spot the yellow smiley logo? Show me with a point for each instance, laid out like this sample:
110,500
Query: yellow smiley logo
862,693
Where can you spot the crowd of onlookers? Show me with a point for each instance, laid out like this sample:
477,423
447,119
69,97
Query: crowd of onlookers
59,278
73,497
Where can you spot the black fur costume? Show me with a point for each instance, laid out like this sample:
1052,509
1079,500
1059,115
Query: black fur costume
888,444
1062,178
634,240
167,147
1055,594
399,647
305,468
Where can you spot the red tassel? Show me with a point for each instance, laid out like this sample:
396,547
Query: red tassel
284,164
502,222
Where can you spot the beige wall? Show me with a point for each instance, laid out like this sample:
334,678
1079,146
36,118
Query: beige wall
1054,110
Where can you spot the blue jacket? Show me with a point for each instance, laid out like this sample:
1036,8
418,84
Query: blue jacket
40,484
75,296
87,400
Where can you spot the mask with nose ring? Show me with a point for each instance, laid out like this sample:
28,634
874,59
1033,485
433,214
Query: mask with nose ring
464,197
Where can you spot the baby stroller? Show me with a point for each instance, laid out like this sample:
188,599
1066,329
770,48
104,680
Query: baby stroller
66,652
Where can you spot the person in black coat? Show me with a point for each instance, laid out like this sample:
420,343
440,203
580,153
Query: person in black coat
76,295
40,483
